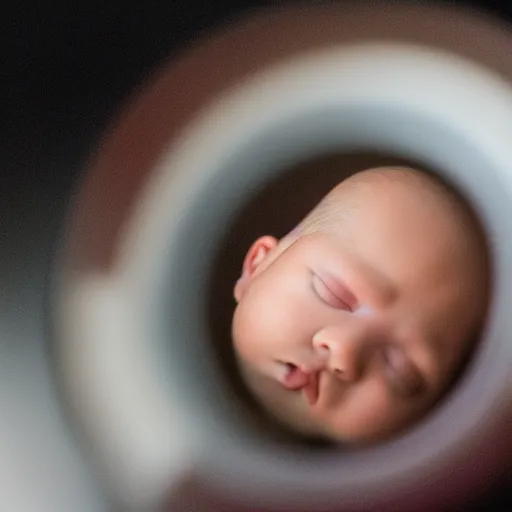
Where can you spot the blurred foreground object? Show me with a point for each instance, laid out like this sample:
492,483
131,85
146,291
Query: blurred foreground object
186,154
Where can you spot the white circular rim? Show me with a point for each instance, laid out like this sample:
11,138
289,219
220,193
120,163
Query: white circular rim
88,304
372,81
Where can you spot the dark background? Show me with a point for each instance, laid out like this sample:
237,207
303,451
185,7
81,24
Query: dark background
65,70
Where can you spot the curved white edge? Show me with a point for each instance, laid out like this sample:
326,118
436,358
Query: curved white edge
435,84
107,365
144,444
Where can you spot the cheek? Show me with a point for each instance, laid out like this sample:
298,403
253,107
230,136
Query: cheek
256,329
369,412
267,322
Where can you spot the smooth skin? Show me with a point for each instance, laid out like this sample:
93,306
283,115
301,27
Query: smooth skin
352,331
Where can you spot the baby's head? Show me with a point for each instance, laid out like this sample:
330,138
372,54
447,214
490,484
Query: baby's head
353,325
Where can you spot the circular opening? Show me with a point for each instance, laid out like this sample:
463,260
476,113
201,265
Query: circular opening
396,101
275,209
229,152
209,217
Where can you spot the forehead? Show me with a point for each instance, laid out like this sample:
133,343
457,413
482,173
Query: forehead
409,245
411,230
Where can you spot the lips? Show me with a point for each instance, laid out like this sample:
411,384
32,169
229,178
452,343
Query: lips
296,379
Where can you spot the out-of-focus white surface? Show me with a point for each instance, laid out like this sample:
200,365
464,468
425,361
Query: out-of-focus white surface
320,83
144,441
109,325
40,465
39,468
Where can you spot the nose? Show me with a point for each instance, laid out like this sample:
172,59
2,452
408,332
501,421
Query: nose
346,348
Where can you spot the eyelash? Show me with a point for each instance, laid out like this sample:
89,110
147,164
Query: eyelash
333,300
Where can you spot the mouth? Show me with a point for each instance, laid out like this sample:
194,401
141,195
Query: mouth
295,378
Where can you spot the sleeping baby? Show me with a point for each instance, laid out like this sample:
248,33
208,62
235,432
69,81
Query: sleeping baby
355,324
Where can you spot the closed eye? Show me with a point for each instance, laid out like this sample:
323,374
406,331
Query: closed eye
326,294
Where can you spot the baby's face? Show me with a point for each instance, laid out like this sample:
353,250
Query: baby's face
353,333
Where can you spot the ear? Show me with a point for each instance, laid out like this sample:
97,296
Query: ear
256,255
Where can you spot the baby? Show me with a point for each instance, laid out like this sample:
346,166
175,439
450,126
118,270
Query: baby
352,326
